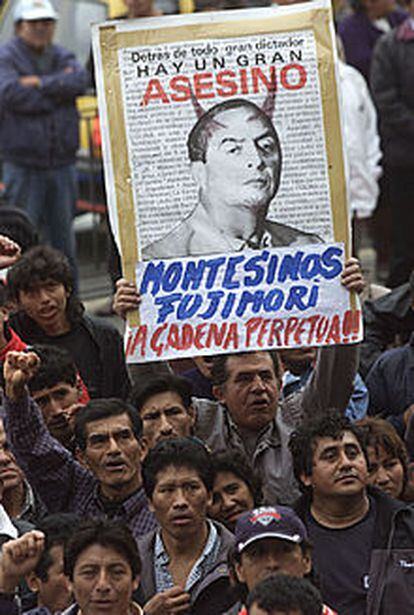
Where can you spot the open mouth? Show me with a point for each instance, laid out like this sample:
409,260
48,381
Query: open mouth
115,466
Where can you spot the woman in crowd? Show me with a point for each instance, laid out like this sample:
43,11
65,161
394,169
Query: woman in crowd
388,459
236,488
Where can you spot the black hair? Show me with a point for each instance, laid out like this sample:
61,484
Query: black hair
56,365
162,384
219,373
15,224
98,409
38,265
106,533
303,441
204,128
179,453
57,528
284,593
237,463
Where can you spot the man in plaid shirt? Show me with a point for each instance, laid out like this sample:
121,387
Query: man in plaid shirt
105,480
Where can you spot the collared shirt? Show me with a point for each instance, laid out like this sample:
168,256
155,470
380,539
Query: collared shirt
62,483
29,504
163,577
203,226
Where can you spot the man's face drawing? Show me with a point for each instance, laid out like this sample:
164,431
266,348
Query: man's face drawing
242,163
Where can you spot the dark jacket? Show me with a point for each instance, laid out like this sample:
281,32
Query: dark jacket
385,319
392,83
39,126
391,573
390,384
359,36
111,379
209,595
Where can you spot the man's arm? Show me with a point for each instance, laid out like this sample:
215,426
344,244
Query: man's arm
332,380
15,96
68,81
50,468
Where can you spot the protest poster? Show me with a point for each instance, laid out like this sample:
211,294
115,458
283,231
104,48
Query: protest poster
225,179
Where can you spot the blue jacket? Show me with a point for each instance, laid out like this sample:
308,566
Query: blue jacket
39,126
390,384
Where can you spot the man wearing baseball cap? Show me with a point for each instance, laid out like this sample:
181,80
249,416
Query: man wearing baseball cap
39,83
269,541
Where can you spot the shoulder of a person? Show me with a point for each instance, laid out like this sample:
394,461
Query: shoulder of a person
146,542
396,303
353,22
226,537
62,52
176,240
389,513
393,356
95,323
285,235
8,49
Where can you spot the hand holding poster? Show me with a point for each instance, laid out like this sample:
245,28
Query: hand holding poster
221,136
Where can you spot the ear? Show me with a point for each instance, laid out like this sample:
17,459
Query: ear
238,568
151,505
306,480
192,414
219,392
198,171
79,386
143,448
32,582
81,457
210,498
307,562
135,583
4,313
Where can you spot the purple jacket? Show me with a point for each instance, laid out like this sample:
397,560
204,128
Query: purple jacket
39,126
359,36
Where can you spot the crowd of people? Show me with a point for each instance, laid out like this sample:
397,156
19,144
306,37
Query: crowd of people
262,483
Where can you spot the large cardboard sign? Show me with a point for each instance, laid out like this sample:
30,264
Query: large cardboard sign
225,178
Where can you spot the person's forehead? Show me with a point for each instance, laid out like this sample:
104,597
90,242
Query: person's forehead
162,401
100,555
227,477
238,123
39,284
177,475
70,388
379,453
108,424
255,361
267,544
347,437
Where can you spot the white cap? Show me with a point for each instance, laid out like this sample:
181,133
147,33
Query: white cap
30,10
